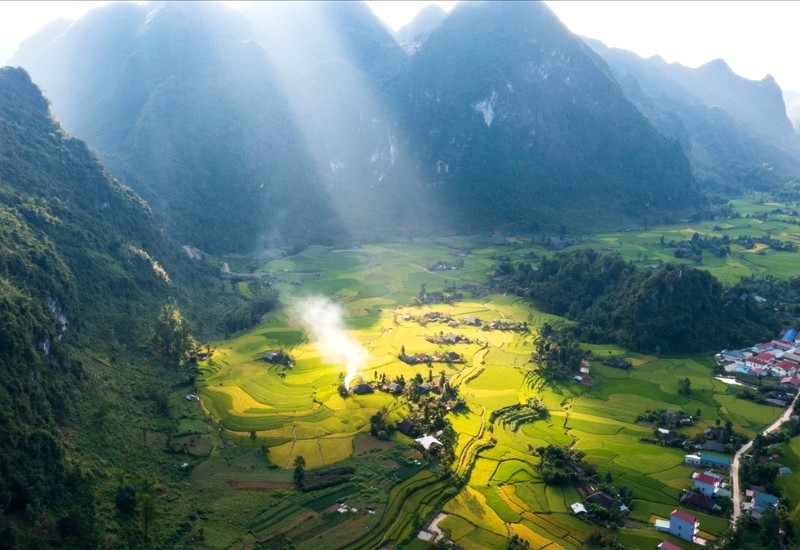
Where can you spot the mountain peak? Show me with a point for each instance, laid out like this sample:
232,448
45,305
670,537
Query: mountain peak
718,66
428,19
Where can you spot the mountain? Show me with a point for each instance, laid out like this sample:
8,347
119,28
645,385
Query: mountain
734,130
307,122
313,32
792,101
519,123
423,24
83,268
185,106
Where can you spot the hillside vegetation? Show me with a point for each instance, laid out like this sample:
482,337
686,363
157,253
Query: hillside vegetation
83,272
670,309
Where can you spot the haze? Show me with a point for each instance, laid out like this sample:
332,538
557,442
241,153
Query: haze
755,38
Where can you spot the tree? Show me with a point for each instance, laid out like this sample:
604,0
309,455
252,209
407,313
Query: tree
517,543
171,338
299,471
126,499
770,528
684,386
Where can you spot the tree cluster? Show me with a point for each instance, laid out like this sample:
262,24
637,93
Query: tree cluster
671,308
562,465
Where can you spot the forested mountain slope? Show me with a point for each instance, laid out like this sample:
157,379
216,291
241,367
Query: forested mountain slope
83,271
734,130
307,122
520,123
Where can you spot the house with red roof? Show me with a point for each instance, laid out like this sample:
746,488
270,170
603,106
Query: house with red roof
757,361
707,485
784,368
761,348
790,382
683,525
781,345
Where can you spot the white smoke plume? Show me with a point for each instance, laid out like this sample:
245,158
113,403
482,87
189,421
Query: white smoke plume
323,320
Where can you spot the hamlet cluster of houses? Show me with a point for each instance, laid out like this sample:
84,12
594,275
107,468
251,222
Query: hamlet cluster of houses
778,358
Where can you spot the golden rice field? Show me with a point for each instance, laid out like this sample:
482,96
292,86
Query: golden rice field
298,412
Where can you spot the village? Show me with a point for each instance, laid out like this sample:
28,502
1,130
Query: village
709,454
777,358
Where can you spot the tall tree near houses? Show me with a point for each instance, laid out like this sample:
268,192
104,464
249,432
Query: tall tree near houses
172,338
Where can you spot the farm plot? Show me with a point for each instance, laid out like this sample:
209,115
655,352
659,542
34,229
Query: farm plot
297,411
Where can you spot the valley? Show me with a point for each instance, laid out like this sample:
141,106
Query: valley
285,275
494,489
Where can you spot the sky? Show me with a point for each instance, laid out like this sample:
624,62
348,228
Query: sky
756,38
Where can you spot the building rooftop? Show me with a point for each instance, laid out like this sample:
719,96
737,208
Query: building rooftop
703,478
683,516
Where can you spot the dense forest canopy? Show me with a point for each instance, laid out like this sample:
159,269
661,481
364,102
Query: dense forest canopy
671,308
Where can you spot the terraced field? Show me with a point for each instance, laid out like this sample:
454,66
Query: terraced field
298,412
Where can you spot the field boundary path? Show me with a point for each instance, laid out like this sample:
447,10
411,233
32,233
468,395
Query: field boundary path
465,451
737,494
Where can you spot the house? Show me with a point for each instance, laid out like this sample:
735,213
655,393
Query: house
474,321
790,383
667,545
662,525
451,338
733,355
714,446
427,441
713,433
362,389
762,501
276,358
791,356
714,460
759,361
789,336
578,508
784,368
744,369
692,460
395,388
683,525
707,485
407,427
577,378
761,348
192,398
696,501
604,500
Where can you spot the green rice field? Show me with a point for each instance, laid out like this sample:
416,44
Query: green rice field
291,412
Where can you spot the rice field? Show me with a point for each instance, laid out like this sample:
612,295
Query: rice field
297,411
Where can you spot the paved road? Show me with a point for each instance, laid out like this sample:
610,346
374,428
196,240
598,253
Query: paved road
737,495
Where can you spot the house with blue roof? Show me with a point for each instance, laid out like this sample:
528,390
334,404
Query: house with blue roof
762,501
714,460
744,369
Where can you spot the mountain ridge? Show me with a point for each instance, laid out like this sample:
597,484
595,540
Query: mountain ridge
734,130
323,135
